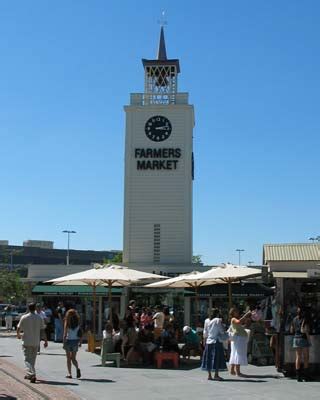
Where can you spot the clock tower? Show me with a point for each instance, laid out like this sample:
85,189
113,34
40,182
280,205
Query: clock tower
159,171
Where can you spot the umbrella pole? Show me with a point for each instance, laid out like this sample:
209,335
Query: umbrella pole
110,302
94,309
94,319
197,304
230,294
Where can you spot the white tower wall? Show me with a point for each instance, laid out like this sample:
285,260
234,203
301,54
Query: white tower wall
158,196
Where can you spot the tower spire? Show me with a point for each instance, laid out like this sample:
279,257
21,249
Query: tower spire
161,74
162,53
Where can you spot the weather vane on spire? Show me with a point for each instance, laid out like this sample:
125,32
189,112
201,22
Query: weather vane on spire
162,21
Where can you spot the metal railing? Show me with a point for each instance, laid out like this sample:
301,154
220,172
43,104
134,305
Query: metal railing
145,99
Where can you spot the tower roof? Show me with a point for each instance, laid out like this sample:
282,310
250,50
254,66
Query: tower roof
162,53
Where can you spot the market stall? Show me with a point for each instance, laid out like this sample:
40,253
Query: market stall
298,289
296,269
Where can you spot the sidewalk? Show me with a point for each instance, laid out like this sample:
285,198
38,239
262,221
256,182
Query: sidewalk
13,386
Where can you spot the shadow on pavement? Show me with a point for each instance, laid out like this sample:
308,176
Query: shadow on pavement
7,397
97,380
2,355
56,383
262,376
243,380
183,366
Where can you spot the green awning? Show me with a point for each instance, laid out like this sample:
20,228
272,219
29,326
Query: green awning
74,290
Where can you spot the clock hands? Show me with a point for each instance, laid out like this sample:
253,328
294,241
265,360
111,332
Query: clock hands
158,128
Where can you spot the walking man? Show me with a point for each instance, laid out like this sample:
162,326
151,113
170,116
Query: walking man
31,325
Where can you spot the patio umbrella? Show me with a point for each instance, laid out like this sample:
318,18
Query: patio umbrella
105,275
227,273
189,280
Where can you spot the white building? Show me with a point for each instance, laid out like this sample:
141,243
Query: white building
159,171
43,244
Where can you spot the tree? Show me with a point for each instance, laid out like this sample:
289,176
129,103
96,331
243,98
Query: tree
11,287
197,259
117,259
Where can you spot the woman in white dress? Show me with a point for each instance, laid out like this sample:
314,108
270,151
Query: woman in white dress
239,341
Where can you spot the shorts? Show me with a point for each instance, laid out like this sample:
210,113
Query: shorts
71,345
299,342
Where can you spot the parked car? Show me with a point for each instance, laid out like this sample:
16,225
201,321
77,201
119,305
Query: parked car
2,307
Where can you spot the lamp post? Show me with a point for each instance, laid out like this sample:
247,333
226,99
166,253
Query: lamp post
68,249
11,260
239,252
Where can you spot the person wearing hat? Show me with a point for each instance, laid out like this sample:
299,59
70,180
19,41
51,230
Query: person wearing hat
158,320
192,341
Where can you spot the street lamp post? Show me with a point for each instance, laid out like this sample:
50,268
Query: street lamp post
68,249
239,252
11,260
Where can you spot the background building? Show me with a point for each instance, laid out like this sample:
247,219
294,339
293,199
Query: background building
44,253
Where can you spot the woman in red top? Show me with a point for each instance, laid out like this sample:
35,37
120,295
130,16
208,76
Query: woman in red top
145,318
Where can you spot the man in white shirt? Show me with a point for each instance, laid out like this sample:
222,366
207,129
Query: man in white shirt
158,320
43,316
31,325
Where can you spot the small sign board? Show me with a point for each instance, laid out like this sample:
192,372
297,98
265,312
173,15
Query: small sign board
313,273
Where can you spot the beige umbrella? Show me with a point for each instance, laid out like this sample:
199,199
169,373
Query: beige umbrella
227,273
189,280
105,275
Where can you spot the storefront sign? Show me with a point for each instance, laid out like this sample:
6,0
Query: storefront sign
157,158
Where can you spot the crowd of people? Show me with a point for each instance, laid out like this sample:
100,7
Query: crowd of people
142,333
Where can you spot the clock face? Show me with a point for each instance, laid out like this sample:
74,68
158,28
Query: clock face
158,128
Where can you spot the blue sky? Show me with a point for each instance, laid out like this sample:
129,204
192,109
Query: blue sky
252,70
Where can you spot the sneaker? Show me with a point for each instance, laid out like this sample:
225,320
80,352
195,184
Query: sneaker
27,377
33,379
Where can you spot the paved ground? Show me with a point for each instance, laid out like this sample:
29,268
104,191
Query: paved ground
189,383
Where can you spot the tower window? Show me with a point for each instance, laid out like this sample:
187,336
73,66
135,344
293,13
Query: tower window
156,243
160,84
